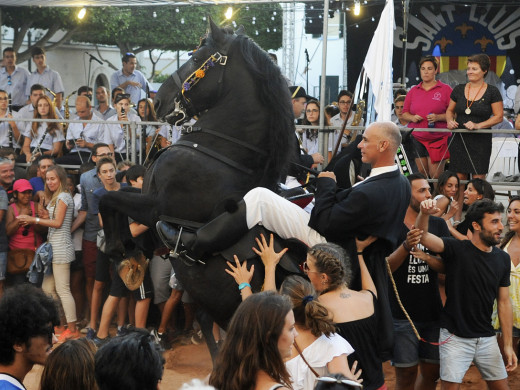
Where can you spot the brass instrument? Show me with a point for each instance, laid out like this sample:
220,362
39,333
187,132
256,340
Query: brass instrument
357,119
67,112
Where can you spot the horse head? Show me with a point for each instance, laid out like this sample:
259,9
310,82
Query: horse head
196,85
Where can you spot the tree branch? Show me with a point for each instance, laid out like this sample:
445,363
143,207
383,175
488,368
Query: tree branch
105,60
19,35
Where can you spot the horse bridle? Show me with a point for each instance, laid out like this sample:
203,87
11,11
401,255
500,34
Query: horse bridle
183,105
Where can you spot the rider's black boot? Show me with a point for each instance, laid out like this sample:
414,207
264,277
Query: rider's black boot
218,234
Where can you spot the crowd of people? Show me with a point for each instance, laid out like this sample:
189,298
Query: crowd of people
336,326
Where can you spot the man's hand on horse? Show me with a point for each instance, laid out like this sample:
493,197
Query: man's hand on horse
361,245
429,207
240,272
327,174
267,253
317,158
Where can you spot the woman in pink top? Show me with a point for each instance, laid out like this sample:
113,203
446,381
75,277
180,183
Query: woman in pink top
22,237
425,106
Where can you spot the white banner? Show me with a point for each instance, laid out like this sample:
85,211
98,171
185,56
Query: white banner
378,63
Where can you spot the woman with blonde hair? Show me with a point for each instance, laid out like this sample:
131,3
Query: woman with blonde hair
44,138
58,218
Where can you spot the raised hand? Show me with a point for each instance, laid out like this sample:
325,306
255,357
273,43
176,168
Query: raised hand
266,252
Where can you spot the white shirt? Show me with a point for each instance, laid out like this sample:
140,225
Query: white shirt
114,134
48,141
336,120
318,355
92,133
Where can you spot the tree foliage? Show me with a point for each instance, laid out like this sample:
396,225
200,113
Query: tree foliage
136,29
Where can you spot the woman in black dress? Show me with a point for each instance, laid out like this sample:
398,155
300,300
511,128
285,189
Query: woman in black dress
473,106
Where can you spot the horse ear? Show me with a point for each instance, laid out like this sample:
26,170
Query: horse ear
241,30
216,32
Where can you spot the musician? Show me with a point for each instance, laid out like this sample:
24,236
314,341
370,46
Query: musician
85,90
345,100
115,135
43,138
104,108
9,133
45,76
13,79
81,137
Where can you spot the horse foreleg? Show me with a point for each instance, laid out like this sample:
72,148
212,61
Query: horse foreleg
115,208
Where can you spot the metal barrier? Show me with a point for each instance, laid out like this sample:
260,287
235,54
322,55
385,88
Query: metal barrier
134,142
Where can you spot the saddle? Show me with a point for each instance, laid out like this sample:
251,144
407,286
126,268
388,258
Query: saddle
290,261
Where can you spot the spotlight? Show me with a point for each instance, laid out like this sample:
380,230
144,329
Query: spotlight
229,13
82,12
357,8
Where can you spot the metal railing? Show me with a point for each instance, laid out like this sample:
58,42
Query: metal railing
134,142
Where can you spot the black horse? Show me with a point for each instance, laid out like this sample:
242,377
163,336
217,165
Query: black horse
241,140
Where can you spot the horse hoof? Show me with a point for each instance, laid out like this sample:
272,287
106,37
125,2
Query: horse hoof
132,270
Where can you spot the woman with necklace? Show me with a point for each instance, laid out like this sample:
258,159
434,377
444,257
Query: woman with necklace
473,106
425,106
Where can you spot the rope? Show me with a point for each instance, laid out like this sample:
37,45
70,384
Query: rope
415,331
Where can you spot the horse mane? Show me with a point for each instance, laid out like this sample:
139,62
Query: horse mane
273,94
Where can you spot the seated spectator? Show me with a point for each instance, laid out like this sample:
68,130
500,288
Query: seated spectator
22,237
116,136
447,194
131,362
70,366
259,337
27,318
476,189
43,138
81,137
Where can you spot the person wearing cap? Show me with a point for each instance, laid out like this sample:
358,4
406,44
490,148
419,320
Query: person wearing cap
22,237
130,79
299,99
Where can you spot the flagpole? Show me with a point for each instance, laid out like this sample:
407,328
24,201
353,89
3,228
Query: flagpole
406,9
323,140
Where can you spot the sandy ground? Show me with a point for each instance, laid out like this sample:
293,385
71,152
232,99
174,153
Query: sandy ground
184,363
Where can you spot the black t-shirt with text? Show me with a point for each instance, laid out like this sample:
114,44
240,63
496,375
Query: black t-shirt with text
416,283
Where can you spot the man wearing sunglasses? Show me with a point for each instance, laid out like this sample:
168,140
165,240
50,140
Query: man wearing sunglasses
13,80
130,79
27,320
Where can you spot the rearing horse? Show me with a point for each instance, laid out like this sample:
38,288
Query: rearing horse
241,140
